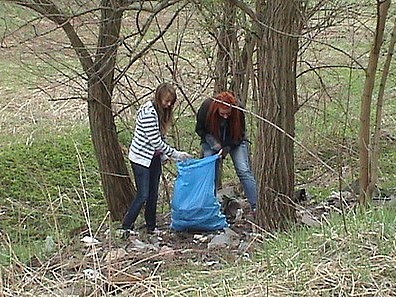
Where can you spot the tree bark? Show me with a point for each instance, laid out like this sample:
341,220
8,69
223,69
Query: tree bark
224,61
223,58
279,27
378,118
116,182
234,64
243,68
365,107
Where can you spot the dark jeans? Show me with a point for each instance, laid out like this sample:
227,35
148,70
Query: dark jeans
147,183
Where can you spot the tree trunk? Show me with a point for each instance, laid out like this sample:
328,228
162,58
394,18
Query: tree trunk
234,65
365,107
277,58
116,182
378,118
223,58
223,61
243,68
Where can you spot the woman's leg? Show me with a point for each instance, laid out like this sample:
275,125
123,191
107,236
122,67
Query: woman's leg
142,181
240,158
150,213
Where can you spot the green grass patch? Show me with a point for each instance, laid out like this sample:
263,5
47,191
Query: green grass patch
327,125
44,187
11,76
13,16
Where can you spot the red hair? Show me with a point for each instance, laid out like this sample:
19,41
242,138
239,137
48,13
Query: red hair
213,116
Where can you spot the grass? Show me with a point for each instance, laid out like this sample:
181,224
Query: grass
49,187
12,79
43,185
328,126
318,261
12,16
321,261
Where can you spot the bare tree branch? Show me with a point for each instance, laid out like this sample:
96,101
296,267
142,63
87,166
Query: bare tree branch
51,11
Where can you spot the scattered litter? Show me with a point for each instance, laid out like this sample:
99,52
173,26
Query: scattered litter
92,274
116,254
90,240
140,246
49,245
200,237
211,263
231,233
224,240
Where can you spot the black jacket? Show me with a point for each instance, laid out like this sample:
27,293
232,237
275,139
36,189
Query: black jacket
202,128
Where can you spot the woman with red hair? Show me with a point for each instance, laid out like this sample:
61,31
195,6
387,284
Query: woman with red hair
221,127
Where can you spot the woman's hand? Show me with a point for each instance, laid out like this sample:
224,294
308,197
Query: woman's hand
182,156
223,152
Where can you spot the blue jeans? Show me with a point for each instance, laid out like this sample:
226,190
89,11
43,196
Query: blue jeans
240,158
147,183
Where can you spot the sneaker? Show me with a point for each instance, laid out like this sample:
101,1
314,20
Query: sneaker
154,231
125,233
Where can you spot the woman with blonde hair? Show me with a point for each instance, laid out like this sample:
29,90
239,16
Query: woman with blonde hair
146,152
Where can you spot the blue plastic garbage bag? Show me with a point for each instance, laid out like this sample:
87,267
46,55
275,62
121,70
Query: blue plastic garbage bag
195,206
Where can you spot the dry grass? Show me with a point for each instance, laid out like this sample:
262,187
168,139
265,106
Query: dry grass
23,114
336,275
323,261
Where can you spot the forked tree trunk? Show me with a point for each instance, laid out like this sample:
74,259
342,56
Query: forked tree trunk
277,56
234,65
243,68
117,186
116,183
223,62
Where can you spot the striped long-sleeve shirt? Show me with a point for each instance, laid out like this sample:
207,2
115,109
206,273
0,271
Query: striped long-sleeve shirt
147,137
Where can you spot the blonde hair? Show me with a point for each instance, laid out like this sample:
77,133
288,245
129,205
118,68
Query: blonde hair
164,114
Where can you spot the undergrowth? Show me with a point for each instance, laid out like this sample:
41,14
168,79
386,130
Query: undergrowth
333,259
42,188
